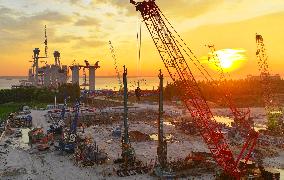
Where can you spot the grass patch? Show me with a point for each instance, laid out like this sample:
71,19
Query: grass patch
7,108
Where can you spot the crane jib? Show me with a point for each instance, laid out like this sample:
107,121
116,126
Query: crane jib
178,69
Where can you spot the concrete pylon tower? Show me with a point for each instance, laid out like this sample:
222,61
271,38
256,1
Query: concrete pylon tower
47,76
30,75
56,55
92,76
75,74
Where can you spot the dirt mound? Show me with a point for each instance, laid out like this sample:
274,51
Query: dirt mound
138,136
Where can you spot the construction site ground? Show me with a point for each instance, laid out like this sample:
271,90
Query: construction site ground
19,161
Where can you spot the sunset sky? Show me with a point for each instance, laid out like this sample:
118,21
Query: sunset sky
81,29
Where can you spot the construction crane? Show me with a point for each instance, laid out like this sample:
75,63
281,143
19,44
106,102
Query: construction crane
36,58
45,42
169,49
274,112
112,51
264,72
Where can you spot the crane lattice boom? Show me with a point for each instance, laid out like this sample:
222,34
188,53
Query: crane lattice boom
169,50
115,64
264,72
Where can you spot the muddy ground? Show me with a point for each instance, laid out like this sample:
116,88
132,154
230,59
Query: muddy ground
19,161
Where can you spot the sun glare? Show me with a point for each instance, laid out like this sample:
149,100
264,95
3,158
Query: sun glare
228,59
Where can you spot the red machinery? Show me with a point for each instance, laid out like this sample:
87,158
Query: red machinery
171,53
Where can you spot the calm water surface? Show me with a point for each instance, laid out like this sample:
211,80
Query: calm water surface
101,82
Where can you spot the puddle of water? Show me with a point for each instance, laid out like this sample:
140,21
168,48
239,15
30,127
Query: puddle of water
155,137
168,124
228,121
258,127
275,112
281,173
224,120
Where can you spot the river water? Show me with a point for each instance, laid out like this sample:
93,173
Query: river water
101,82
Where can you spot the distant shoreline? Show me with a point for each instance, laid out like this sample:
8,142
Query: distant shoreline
4,77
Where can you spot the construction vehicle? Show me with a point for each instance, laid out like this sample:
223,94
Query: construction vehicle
57,127
45,142
172,53
21,121
37,136
88,154
67,142
273,110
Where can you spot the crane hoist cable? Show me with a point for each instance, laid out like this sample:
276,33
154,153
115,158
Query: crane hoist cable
139,44
115,65
174,60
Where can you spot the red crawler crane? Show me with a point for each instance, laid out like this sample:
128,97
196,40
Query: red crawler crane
169,49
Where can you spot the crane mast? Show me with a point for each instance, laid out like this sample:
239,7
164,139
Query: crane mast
45,42
115,65
173,59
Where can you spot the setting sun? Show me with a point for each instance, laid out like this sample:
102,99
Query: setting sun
227,59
